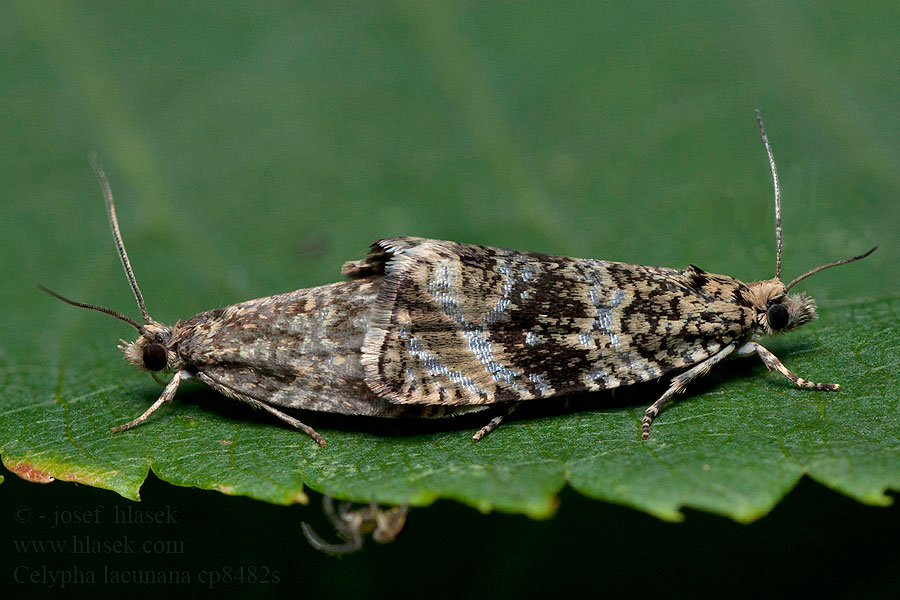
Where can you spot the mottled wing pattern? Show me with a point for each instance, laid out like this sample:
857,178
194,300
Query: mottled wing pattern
459,325
298,350
295,350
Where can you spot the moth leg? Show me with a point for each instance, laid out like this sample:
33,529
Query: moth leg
295,423
258,403
494,423
678,385
389,523
773,364
167,394
347,527
328,548
383,524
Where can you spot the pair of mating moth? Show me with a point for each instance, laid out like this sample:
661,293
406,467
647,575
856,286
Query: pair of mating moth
427,328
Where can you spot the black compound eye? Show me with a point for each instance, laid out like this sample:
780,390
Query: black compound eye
778,317
154,356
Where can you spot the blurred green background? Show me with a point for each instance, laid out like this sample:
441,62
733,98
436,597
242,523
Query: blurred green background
254,148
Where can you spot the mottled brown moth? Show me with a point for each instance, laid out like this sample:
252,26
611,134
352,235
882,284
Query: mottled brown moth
429,328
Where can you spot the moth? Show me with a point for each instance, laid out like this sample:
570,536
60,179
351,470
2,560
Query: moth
428,328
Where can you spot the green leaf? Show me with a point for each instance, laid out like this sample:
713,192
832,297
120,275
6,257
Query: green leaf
253,154
734,447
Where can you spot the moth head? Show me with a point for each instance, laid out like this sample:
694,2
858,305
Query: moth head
776,310
152,350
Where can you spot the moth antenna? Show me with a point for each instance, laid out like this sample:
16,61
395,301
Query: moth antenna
828,266
762,131
102,309
120,246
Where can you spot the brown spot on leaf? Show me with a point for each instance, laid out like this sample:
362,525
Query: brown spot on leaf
27,471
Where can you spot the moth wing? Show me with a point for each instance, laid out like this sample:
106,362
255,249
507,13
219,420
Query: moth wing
457,325
379,254
297,350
